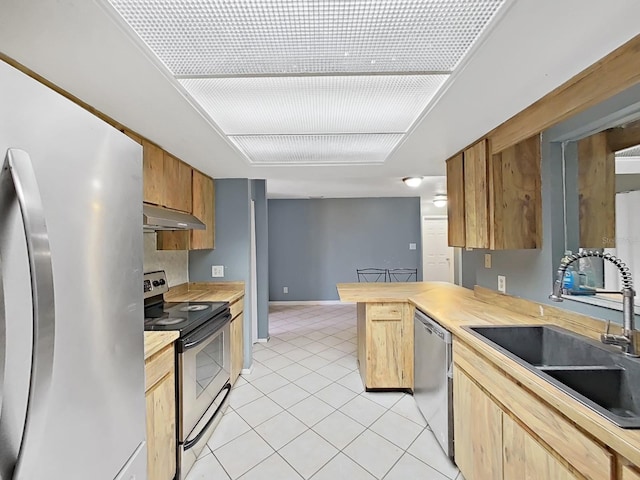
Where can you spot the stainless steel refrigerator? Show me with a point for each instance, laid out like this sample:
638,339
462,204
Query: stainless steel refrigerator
71,311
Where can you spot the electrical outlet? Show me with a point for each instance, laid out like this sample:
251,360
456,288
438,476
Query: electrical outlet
217,271
487,260
502,284
412,246
285,289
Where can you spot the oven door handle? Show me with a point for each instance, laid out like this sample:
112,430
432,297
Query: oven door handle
190,443
202,334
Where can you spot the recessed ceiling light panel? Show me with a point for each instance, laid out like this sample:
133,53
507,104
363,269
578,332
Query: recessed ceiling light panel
316,149
629,152
248,37
341,104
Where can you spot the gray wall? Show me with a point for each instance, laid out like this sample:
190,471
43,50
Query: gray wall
530,273
315,244
233,247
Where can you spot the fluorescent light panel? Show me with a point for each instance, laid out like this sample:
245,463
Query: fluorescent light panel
248,37
316,149
302,105
629,152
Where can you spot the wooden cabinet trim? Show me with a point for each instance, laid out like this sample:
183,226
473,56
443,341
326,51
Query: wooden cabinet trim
237,307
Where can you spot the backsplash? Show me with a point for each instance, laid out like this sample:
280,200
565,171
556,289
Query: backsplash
174,262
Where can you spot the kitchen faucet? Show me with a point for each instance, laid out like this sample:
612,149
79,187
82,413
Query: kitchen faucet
626,340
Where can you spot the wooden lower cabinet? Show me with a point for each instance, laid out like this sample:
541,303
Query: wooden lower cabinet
385,345
161,422
505,432
237,347
525,458
477,430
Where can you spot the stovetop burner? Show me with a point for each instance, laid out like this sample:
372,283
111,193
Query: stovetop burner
183,317
194,308
168,321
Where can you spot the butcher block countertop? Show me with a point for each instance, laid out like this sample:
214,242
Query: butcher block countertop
453,307
206,292
156,341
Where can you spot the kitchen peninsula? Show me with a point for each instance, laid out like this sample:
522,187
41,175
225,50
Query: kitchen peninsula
507,419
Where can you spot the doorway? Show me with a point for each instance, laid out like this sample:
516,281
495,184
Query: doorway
437,255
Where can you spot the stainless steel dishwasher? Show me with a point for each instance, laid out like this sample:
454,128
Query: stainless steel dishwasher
433,388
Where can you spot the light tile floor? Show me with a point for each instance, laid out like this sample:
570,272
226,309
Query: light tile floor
303,412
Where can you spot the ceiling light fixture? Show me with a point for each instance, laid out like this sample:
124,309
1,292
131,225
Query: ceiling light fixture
412,182
440,200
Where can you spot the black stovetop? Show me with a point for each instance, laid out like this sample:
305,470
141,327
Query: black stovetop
183,317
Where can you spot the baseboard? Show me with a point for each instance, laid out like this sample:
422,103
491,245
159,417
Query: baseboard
262,340
308,302
247,371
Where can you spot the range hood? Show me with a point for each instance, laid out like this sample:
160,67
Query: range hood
158,218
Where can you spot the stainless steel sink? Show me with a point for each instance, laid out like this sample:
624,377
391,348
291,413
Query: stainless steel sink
594,374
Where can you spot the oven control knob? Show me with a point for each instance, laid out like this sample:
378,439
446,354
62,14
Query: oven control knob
161,281
156,283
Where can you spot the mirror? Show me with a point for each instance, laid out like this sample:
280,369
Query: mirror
601,181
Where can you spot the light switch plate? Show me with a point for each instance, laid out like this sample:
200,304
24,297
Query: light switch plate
487,260
412,246
217,271
502,284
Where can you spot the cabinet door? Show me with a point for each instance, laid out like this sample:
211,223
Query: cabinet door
204,210
455,201
515,205
596,192
525,458
153,173
177,188
630,473
237,347
478,431
384,346
476,196
161,429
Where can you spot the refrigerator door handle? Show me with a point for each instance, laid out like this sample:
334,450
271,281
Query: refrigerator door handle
18,181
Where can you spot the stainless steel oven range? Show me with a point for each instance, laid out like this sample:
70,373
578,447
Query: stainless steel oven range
202,364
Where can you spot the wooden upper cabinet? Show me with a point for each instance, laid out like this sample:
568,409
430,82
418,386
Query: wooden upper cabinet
455,201
495,202
596,192
153,173
166,180
177,188
515,200
476,195
204,210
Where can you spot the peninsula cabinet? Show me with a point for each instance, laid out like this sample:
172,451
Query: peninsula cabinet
385,345
494,201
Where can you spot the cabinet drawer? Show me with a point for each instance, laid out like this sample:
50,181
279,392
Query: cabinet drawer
158,366
384,311
237,307
563,437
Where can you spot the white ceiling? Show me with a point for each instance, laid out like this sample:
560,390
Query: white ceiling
535,45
